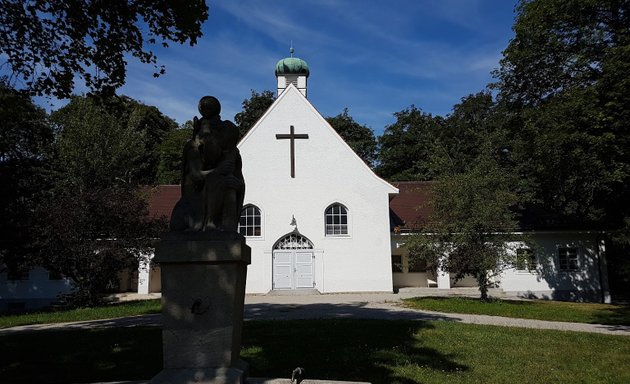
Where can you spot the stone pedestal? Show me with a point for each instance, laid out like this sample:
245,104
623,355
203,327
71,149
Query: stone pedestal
203,293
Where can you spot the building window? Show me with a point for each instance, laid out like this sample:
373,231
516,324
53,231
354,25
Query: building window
250,222
336,220
525,260
17,275
567,259
416,265
397,263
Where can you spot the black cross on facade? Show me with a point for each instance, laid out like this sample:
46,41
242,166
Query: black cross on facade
292,136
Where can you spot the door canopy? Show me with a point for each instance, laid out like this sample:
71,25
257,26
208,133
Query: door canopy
293,240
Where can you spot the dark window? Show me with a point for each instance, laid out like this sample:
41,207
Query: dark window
525,260
17,275
336,220
250,223
567,259
416,265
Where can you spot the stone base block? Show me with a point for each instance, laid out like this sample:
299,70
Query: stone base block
200,376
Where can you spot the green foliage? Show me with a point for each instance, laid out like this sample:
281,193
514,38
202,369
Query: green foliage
94,147
170,153
458,142
564,82
90,234
590,313
560,45
253,109
25,148
153,127
405,146
123,134
49,44
359,137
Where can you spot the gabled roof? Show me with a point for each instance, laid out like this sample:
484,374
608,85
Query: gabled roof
292,90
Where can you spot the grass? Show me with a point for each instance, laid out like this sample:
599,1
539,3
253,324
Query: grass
379,351
111,311
590,313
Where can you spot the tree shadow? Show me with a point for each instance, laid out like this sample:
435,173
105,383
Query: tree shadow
342,349
76,356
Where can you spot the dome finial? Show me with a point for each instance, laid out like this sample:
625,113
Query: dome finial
291,50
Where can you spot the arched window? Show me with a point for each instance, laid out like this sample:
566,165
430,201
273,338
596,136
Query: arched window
336,220
250,222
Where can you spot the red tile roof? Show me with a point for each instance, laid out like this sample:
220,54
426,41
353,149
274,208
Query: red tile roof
162,199
411,208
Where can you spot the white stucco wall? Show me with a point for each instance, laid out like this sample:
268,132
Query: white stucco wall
547,281
35,292
326,172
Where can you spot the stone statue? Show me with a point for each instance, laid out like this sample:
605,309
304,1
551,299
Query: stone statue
213,187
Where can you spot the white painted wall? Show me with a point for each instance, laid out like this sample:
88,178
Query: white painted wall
327,171
547,281
35,292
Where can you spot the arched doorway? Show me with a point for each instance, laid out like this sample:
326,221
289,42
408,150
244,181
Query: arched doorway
293,262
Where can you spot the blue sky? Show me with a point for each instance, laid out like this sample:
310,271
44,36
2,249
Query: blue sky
374,57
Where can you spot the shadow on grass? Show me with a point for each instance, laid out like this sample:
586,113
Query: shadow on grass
76,356
342,349
617,315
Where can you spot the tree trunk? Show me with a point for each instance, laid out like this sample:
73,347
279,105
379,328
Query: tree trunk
482,280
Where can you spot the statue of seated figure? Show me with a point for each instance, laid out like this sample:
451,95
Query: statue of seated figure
213,187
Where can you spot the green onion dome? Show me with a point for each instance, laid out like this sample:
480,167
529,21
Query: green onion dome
292,66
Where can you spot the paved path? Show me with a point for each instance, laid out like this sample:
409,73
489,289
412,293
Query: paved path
362,306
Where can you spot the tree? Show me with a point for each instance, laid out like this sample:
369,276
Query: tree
26,139
146,124
560,45
564,82
93,221
359,137
47,44
472,218
253,109
405,146
153,127
94,147
170,153
458,143
92,234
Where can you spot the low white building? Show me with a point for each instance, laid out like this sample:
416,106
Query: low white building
559,264
31,289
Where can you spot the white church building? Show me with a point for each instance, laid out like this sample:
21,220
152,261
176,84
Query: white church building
316,216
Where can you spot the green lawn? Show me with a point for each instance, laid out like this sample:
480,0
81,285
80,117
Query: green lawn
542,310
379,351
106,312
